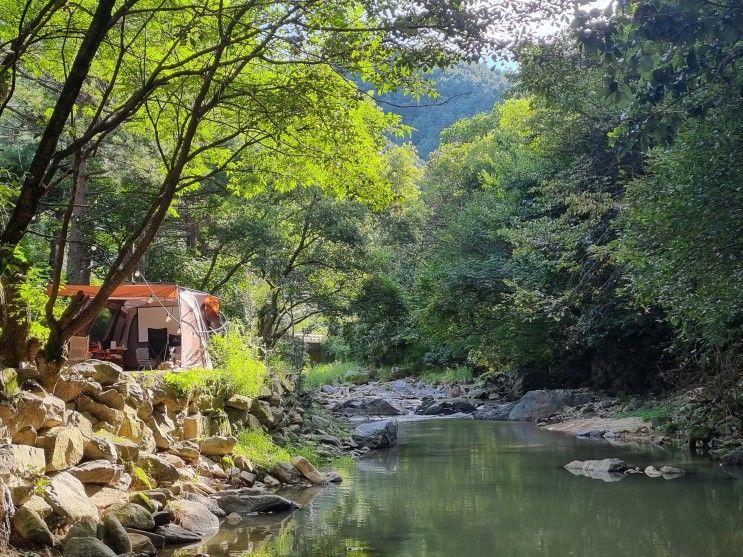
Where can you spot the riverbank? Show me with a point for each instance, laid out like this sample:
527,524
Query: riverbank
110,462
690,419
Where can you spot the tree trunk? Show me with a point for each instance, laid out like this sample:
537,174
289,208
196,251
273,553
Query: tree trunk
15,320
78,251
50,360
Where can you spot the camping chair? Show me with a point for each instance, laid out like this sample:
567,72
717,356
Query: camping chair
143,358
157,344
78,349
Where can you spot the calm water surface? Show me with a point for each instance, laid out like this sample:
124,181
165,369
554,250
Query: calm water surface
463,488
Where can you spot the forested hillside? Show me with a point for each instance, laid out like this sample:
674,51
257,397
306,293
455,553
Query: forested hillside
578,222
461,92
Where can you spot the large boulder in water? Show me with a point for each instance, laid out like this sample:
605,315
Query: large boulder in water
433,407
366,407
494,411
376,435
247,503
607,469
537,405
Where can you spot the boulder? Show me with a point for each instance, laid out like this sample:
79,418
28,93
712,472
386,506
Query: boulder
79,421
493,411
141,544
192,516
607,470
448,406
158,467
217,445
66,495
98,447
188,451
99,411
127,450
63,448
100,472
175,534
244,464
671,472
105,373
69,387
206,501
104,497
245,503
82,529
239,402
376,435
31,526
733,458
9,384
262,411
286,473
112,398
132,515
308,470
537,405
25,436
29,411
193,426
115,535
652,472
37,503
19,467
55,412
87,547
161,434
366,407
333,477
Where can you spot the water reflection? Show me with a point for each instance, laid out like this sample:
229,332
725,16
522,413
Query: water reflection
464,488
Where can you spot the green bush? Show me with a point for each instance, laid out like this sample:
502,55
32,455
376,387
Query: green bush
239,369
328,374
260,448
459,374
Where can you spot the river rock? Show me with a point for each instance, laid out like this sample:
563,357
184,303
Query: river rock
366,407
97,447
100,472
207,502
66,495
192,516
217,445
376,435
87,547
81,529
105,373
733,458
245,503
104,497
671,472
493,411
31,526
537,405
63,448
37,503
132,515
142,544
607,470
308,470
432,407
175,534
652,472
19,467
115,535
286,473
158,467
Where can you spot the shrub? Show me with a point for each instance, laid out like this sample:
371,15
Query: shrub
239,369
459,374
328,374
260,448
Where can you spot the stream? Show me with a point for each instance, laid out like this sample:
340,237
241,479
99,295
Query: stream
464,488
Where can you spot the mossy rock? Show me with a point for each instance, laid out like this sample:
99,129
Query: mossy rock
9,381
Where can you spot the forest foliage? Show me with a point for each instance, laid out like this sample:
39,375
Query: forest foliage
577,221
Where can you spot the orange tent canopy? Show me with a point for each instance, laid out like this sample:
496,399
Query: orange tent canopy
132,291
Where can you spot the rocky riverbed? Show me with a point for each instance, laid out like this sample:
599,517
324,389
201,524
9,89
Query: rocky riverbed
112,462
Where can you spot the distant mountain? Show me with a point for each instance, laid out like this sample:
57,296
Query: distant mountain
464,90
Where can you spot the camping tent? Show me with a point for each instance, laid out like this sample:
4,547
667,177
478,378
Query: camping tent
172,321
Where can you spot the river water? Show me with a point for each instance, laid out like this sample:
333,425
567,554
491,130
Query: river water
464,488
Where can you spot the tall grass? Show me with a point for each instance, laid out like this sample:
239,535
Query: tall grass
238,368
328,374
260,448
459,374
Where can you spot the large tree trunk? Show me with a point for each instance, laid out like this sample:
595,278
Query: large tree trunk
15,320
78,251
